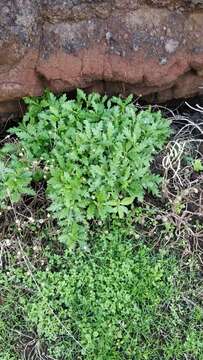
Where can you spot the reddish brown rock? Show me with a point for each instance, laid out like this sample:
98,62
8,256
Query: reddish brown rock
115,46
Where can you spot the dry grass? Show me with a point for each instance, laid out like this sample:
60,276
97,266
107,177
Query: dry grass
182,185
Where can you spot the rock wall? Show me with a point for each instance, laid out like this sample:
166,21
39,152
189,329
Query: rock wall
146,47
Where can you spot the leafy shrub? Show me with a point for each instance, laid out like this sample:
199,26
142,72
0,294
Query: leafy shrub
113,301
94,153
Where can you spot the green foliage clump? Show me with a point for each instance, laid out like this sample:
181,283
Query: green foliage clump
116,296
115,300
94,153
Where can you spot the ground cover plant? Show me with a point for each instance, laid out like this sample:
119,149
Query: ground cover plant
119,300
100,233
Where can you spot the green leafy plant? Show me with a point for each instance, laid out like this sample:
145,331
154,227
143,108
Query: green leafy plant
118,299
95,154
197,165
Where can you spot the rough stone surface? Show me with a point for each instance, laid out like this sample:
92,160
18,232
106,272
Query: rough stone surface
146,47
